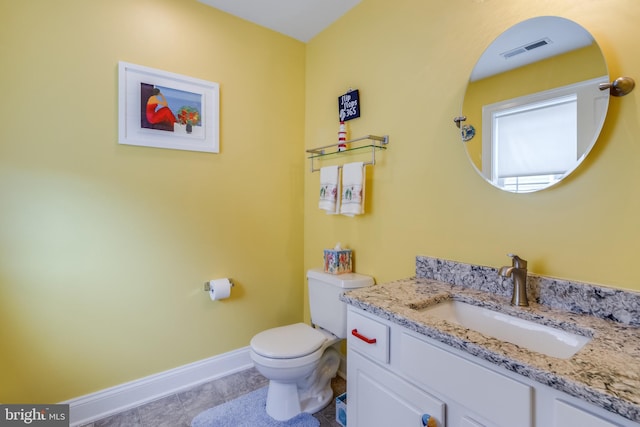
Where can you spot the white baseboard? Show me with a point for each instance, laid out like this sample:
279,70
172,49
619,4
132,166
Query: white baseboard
94,406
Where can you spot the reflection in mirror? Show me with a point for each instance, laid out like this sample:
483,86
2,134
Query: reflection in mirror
533,105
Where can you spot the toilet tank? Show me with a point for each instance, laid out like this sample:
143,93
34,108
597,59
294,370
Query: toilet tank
327,311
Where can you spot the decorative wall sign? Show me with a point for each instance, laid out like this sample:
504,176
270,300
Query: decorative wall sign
349,105
166,110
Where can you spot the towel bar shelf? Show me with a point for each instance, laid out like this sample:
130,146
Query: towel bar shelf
377,143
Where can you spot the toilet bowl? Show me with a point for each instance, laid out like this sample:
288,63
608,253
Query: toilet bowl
300,360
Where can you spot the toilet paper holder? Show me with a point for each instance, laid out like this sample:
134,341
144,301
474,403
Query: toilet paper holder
207,286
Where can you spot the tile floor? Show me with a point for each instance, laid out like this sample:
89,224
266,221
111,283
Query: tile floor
177,410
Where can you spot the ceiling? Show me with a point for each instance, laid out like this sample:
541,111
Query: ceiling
560,35
304,19
300,19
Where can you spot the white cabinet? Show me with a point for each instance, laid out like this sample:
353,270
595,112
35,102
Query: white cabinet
395,375
385,400
495,397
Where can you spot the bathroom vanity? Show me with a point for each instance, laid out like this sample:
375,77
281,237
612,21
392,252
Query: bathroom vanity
448,344
405,361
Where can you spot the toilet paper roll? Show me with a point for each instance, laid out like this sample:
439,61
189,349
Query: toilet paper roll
219,289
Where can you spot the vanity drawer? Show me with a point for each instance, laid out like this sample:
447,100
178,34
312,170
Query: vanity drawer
504,401
368,336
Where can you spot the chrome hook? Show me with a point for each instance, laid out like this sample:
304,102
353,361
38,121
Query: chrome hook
459,119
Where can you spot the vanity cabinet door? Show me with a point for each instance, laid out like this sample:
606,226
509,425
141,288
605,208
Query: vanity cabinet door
469,387
568,415
469,422
378,398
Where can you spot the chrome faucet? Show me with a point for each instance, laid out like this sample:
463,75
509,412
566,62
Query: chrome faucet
519,271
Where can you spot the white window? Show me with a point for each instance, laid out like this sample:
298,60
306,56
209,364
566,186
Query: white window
542,141
530,143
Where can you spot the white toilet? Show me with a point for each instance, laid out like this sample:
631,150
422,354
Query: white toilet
300,360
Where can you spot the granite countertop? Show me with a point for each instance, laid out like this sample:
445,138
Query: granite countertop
605,372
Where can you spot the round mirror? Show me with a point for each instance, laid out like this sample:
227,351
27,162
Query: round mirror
533,108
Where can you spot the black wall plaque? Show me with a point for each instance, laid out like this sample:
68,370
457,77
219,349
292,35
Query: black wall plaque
349,105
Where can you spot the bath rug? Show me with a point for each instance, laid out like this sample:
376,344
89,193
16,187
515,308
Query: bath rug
248,410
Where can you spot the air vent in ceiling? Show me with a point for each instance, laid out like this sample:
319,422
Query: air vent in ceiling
526,48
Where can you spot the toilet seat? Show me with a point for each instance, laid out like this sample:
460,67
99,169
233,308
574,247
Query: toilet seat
295,363
288,342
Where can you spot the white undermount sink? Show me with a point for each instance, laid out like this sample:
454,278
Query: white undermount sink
531,335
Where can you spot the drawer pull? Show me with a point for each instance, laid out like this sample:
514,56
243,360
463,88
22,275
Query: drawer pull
355,333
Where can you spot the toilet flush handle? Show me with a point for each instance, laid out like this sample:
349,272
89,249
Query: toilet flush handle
355,333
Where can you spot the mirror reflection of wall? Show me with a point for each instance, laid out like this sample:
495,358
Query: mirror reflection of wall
537,113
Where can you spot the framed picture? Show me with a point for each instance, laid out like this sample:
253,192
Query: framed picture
166,110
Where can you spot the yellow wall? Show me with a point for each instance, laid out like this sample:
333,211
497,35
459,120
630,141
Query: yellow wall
104,248
411,61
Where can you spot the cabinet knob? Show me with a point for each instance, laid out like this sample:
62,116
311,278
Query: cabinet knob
355,333
428,421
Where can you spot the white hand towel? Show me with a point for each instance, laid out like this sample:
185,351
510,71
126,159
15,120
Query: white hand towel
353,179
329,190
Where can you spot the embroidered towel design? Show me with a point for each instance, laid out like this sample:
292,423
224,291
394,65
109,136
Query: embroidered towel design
353,179
329,189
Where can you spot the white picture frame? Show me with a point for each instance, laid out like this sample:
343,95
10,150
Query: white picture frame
167,110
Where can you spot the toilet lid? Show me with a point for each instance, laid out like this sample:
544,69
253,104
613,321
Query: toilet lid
287,342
